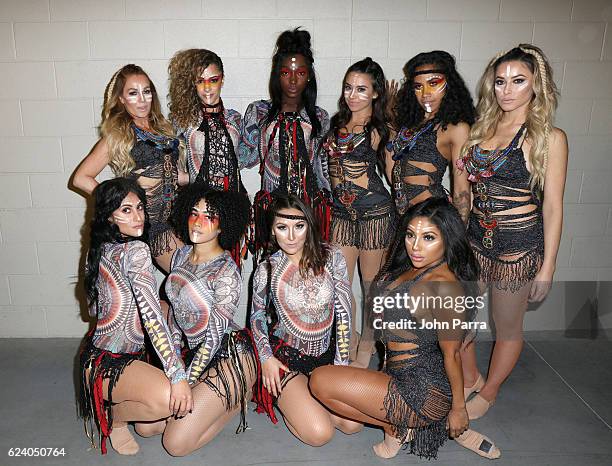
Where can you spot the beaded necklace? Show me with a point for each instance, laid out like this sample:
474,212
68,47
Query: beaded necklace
407,138
481,163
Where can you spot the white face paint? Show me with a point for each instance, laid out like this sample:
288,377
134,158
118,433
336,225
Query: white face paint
513,85
202,224
424,242
291,234
129,217
359,92
137,96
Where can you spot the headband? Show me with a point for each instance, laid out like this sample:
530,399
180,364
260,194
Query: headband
429,71
289,216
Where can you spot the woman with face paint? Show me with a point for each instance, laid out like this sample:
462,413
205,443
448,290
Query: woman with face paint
418,396
138,142
204,288
117,386
283,135
433,114
210,131
363,214
517,163
300,320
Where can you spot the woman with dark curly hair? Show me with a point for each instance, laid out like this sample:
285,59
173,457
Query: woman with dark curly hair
418,396
117,386
433,114
283,134
204,288
138,142
211,131
363,214
300,320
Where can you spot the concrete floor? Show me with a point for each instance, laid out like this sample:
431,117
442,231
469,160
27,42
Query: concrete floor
556,409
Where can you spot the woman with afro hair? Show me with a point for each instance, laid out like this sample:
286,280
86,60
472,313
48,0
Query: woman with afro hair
204,288
283,134
433,114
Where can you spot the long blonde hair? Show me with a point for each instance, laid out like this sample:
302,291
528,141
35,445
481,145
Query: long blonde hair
541,112
116,121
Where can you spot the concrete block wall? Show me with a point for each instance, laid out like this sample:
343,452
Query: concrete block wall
56,57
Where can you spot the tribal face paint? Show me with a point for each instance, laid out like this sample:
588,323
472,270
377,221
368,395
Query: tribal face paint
209,85
203,224
429,88
424,242
513,85
137,96
291,233
130,216
359,92
293,76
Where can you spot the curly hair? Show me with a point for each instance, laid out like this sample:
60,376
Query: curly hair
315,252
456,106
379,119
116,121
294,42
107,197
541,112
183,70
232,209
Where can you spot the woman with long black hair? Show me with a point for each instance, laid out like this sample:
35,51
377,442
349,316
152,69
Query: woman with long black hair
283,134
117,386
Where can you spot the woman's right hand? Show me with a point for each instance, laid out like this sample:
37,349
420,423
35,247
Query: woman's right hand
181,400
271,376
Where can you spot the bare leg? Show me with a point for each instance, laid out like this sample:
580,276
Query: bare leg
304,416
468,364
208,416
141,394
370,263
508,311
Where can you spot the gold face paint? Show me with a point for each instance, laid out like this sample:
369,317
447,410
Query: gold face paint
424,242
429,87
209,84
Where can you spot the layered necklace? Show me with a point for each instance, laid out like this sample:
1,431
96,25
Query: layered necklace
407,138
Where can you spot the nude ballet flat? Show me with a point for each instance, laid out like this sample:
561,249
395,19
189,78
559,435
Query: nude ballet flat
467,391
479,444
123,442
478,407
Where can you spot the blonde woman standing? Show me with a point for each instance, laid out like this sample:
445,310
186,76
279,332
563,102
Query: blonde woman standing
517,163
138,142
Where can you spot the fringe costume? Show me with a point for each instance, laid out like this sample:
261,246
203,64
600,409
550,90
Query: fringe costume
127,301
289,162
509,247
204,299
157,157
304,322
362,216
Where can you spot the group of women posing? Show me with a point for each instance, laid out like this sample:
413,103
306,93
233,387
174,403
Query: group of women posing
322,208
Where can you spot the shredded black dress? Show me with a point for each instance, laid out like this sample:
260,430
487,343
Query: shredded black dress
416,155
419,395
506,227
363,214
157,157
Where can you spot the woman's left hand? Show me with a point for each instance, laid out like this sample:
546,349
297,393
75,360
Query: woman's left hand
540,286
457,422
